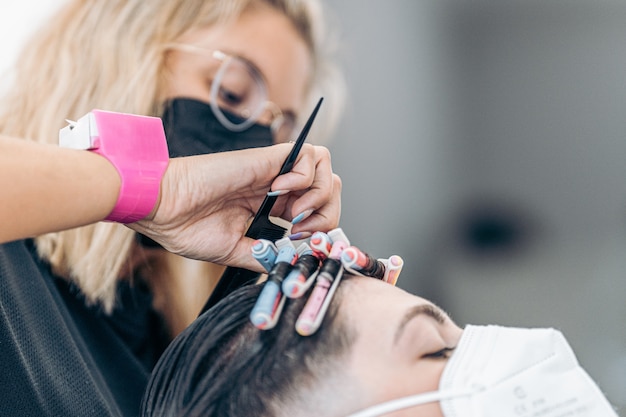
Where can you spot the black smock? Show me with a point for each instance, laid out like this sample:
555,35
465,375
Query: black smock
59,357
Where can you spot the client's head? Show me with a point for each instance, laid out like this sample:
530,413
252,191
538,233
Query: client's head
377,343
379,350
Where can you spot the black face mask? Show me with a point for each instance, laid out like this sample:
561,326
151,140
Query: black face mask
191,128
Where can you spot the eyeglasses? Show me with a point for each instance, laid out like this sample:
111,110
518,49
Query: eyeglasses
238,95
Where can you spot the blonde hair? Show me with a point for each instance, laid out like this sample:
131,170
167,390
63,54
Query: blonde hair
108,54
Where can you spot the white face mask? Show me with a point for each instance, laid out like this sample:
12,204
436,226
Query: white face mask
510,372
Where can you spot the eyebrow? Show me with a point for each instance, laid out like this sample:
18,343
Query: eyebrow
429,310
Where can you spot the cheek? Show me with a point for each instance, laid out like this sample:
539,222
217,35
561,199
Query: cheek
430,372
401,380
419,378
423,376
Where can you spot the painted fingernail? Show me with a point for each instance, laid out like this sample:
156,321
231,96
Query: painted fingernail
300,235
277,193
301,216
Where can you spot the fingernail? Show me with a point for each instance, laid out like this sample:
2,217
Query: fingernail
300,235
301,216
277,193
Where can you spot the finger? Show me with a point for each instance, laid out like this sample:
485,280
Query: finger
311,185
241,256
302,174
318,179
325,217
320,190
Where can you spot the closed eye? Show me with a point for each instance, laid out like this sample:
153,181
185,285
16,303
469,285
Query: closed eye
428,310
444,353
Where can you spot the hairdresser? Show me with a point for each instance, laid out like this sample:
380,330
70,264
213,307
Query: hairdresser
88,306
196,196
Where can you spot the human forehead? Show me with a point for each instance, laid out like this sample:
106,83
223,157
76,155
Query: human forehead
378,312
368,294
266,38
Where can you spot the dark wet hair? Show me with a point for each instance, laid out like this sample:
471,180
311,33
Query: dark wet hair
222,366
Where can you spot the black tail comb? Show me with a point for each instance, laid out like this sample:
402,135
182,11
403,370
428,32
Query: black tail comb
260,228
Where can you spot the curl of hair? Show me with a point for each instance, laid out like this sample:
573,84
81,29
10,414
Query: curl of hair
108,54
222,365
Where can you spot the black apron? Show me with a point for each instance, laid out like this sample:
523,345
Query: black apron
59,357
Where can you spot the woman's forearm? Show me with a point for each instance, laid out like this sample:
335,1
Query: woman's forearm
45,188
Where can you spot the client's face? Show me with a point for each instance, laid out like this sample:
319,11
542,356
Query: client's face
402,346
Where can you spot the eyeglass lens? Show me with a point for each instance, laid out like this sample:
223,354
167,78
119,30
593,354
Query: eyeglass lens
239,97
239,91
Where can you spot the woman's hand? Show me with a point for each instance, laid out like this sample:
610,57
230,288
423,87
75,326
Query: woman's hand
207,201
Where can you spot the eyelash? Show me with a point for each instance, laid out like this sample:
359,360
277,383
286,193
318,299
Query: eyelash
444,353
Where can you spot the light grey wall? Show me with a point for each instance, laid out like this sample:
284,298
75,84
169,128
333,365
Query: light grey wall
485,143
394,149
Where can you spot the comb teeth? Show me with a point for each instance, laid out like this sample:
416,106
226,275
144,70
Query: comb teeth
271,233
264,228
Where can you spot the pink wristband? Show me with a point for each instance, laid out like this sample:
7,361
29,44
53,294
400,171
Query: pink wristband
136,146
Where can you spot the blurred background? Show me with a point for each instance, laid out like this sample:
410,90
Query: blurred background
485,143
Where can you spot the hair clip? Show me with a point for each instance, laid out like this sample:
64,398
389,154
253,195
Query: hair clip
326,283
358,262
292,271
393,268
283,242
314,310
269,304
265,252
321,244
302,274
337,235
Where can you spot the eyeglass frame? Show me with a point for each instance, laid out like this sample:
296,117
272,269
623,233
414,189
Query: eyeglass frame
278,116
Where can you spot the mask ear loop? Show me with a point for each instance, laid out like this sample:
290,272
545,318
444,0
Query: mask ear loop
411,401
